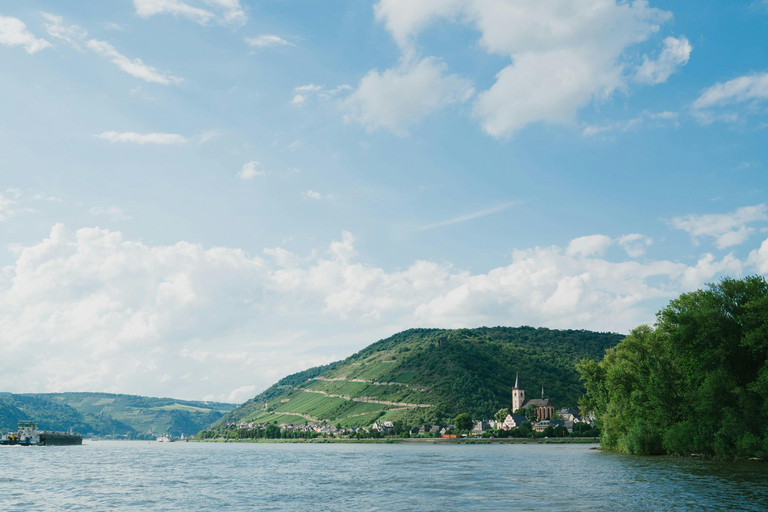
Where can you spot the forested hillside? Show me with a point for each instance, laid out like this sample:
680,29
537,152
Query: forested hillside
431,375
109,414
697,382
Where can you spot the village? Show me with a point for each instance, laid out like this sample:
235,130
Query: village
532,418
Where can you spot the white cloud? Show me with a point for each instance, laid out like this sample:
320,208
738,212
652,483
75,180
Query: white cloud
400,97
674,55
113,212
465,217
564,53
250,170
592,245
72,34
143,138
728,229
634,244
13,32
9,204
295,146
135,67
267,41
304,92
120,315
655,119
311,194
231,10
744,89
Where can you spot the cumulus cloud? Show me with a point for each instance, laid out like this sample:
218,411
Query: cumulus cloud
13,32
119,315
228,10
674,55
267,41
251,170
564,53
311,194
744,89
397,98
728,229
143,138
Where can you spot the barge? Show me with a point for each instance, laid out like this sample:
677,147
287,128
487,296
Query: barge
28,435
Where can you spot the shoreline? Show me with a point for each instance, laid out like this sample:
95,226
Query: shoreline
565,440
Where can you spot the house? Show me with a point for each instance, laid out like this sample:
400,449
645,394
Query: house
480,427
542,425
447,430
435,429
414,431
571,414
511,422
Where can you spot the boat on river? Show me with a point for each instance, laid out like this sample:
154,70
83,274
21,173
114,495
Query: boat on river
165,439
27,434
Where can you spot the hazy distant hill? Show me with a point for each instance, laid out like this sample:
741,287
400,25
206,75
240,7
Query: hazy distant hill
109,414
452,371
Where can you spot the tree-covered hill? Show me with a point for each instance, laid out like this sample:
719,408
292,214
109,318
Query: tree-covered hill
431,375
109,414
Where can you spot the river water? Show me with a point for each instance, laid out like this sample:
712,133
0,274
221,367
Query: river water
363,477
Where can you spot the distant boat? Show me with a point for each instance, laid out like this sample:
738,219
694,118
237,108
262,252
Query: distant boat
165,439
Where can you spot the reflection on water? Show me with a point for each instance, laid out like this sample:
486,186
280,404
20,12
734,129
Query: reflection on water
204,477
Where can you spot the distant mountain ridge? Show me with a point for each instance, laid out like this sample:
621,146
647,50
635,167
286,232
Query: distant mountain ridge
431,375
104,414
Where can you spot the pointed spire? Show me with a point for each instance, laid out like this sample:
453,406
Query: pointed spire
517,380
542,392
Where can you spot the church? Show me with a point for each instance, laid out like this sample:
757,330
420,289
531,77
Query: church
545,410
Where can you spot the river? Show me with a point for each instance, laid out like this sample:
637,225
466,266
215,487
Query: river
366,477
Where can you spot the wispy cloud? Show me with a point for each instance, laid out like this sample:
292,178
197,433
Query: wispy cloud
464,218
232,10
75,35
742,90
112,212
267,41
143,138
727,229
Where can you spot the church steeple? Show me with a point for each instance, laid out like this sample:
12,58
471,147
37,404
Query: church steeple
542,392
518,394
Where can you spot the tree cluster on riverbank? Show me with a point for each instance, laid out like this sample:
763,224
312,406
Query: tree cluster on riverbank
696,382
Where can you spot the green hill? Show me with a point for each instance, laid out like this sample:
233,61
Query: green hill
431,375
103,414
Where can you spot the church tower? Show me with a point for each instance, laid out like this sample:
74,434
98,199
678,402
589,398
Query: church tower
518,394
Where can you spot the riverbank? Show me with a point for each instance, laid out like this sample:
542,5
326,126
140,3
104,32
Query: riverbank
417,440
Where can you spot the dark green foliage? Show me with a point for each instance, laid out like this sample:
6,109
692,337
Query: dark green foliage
461,370
463,422
696,383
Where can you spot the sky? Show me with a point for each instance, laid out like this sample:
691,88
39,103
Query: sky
199,197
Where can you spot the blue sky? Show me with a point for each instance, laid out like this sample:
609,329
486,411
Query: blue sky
200,196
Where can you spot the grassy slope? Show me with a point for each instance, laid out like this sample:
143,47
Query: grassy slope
464,370
104,413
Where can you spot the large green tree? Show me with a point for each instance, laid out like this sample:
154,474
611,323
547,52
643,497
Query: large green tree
697,382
